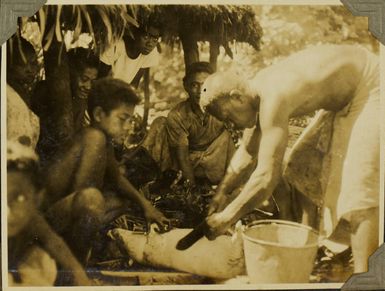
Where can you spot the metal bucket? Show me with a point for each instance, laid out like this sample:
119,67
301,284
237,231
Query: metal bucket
279,251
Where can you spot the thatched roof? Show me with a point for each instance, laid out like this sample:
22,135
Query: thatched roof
225,23
221,23
105,23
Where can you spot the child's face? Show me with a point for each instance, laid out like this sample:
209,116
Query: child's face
148,40
83,82
21,202
117,122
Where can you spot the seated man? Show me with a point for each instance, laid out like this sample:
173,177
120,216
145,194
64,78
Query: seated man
341,79
35,251
200,146
84,169
83,70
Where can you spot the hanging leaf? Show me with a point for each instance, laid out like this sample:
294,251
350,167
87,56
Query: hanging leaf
88,20
106,21
228,50
42,23
128,18
22,54
58,31
49,38
78,26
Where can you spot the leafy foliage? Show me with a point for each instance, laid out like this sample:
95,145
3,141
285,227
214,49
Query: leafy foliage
286,29
105,23
222,22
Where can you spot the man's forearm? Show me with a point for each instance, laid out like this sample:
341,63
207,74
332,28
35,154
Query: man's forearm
233,179
243,162
263,180
239,170
129,191
256,191
187,171
184,163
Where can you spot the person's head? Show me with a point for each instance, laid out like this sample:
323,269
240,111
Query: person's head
111,104
196,74
147,35
226,95
83,70
22,64
24,190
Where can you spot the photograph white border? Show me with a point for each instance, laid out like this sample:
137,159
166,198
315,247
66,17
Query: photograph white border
181,287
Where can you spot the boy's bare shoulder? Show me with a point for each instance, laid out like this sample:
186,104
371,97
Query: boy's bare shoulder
91,135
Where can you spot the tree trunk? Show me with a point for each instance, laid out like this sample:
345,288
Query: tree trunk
214,52
59,90
57,118
190,48
146,97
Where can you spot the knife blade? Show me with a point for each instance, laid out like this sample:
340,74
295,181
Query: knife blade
192,237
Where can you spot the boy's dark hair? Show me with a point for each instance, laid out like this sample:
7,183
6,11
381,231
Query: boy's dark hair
81,58
16,48
109,93
197,67
147,21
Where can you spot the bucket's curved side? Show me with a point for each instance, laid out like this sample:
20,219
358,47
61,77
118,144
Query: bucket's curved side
272,263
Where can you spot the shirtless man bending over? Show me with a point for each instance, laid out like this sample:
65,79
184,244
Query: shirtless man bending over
341,79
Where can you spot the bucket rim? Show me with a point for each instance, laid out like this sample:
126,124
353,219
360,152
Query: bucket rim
281,222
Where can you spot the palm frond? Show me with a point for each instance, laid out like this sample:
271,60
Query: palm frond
58,31
105,23
78,26
108,23
224,23
42,23
49,38
86,14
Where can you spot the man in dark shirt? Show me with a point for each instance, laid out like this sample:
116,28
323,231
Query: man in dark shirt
199,144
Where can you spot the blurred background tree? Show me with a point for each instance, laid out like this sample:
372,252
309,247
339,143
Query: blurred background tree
286,29
249,37
184,25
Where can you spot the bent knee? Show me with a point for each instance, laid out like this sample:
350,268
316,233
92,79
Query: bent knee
357,217
89,199
161,120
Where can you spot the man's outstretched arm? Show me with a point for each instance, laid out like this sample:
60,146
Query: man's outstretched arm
239,170
263,180
128,191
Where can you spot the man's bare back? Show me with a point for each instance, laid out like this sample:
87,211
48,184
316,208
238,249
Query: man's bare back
329,77
322,77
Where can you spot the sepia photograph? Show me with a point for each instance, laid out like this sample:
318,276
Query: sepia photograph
198,146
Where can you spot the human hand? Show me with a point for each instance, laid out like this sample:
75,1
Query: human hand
80,279
216,225
154,215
